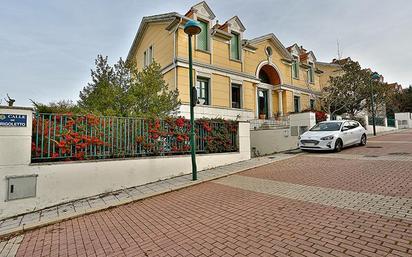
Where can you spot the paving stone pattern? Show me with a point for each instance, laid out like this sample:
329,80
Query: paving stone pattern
101,202
217,220
394,207
391,178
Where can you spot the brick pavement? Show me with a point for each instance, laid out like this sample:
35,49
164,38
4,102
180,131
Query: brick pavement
116,198
217,220
394,207
383,148
391,178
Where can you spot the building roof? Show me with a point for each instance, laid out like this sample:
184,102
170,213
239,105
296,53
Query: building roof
203,8
148,19
342,61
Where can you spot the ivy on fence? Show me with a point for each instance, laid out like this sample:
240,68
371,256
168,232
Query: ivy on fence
69,137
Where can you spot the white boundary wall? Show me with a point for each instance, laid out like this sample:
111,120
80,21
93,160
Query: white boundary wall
205,111
379,129
303,119
66,181
268,141
404,119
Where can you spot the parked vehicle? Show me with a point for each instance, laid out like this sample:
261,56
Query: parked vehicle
333,135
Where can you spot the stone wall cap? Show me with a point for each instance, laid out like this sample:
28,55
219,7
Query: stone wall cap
16,108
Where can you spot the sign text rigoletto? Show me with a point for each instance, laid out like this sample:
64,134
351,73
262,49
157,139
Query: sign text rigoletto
13,120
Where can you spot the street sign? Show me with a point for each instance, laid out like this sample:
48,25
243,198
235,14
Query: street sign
13,120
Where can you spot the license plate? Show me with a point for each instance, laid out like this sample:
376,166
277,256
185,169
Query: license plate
309,144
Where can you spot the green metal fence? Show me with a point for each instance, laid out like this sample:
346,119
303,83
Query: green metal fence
379,121
70,137
391,122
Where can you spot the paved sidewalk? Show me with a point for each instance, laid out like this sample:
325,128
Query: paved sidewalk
388,206
96,203
10,247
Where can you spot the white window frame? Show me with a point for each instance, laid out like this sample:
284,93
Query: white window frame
297,66
209,85
311,100
238,46
299,103
311,73
240,85
207,34
148,56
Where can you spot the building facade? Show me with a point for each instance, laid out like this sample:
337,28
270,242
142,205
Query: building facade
235,77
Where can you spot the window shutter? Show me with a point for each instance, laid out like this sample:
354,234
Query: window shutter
234,46
202,37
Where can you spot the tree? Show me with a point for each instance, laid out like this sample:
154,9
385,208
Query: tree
405,100
351,92
62,106
331,102
151,95
105,94
122,90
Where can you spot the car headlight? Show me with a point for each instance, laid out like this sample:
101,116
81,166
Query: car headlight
326,138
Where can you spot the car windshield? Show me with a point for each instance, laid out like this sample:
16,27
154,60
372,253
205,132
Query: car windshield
327,126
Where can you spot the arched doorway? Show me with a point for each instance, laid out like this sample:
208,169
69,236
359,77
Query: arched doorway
269,77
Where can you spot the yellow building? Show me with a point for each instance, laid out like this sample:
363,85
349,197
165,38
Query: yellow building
332,69
235,77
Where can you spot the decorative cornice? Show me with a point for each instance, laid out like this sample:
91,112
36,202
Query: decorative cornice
222,34
305,90
247,45
220,69
204,9
276,41
288,61
236,20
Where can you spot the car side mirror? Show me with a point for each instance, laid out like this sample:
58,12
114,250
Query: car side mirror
345,128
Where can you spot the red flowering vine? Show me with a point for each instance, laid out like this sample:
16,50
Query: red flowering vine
70,137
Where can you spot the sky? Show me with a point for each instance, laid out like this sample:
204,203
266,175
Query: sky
48,47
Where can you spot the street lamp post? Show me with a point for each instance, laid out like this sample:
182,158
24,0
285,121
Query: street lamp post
375,76
192,28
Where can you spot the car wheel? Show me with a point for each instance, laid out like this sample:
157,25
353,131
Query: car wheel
338,145
363,140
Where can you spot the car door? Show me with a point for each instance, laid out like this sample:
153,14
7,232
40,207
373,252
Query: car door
357,132
345,134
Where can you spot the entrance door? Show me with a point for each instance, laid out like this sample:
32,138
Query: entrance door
263,104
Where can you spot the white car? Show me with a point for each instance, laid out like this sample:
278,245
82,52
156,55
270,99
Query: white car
333,135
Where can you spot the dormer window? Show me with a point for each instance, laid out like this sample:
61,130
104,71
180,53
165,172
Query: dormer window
203,36
311,73
295,67
235,47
